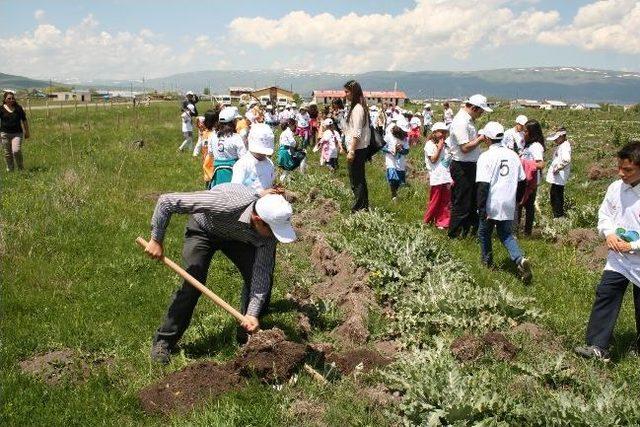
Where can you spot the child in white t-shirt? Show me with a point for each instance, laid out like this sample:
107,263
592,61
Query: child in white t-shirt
437,159
255,169
395,153
559,170
187,127
330,144
290,157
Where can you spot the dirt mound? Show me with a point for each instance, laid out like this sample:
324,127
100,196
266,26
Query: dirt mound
597,172
364,359
324,211
270,356
581,238
388,348
469,348
182,390
62,365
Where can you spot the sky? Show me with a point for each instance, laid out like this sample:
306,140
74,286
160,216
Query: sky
117,39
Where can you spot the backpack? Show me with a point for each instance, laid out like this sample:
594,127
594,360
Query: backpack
376,142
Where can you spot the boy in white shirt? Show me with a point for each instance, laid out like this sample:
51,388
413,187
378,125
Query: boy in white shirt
619,223
187,127
498,176
559,170
514,137
255,169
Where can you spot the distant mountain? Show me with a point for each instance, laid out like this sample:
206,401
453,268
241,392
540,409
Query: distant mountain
9,81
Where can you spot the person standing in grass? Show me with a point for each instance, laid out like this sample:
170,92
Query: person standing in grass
357,135
235,220
464,144
437,159
303,120
427,119
13,128
330,144
533,151
395,153
414,130
619,224
514,137
255,169
559,170
498,176
289,156
187,127
225,146
447,115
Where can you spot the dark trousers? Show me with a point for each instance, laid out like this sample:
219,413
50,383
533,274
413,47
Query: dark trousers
358,180
606,307
529,211
464,212
199,248
556,195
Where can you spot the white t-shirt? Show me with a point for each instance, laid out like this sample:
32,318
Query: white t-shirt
332,139
561,157
448,115
620,209
438,171
226,147
427,117
462,131
253,173
303,120
393,159
501,168
186,122
287,139
535,152
513,139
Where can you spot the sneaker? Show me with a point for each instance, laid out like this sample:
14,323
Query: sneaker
161,352
593,352
524,268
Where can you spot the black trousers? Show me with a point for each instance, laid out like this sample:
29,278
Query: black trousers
556,195
464,212
197,252
606,307
529,212
358,180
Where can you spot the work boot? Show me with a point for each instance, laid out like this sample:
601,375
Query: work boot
161,352
593,352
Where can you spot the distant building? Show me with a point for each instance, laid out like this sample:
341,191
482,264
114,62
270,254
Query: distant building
524,103
75,95
551,104
585,106
239,91
276,95
373,97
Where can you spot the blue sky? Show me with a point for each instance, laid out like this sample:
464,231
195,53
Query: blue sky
120,39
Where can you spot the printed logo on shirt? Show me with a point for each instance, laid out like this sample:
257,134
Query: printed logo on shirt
220,147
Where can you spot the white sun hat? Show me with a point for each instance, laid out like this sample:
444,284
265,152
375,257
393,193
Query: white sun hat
189,93
522,119
261,139
492,130
191,108
414,122
228,114
327,122
439,126
276,212
557,134
479,101
403,124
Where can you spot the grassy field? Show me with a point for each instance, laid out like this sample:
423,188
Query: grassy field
73,278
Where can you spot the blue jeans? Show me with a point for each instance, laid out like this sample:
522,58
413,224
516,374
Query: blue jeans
503,228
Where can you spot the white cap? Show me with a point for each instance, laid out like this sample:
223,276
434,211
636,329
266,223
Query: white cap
479,101
439,126
522,119
261,139
303,107
228,114
191,108
557,134
427,105
312,103
373,108
414,121
9,91
189,93
269,107
327,122
492,130
276,212
403,124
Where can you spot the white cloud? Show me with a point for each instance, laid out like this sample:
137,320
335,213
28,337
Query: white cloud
39,15
602,25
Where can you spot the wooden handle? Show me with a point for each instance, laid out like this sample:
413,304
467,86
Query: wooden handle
196,284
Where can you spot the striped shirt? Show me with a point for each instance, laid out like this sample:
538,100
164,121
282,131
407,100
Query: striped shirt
224,212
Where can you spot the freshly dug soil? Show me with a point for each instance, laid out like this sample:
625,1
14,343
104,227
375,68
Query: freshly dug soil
62,365
581,238
347,361
182,390
467,348
502,348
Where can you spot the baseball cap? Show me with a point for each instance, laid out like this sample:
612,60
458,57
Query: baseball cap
189,92
479,101
373,108
522,119
403,124
191,108
229,114
557,134
269,107
327,122
276,212
492,130
261,139
439,126
414,121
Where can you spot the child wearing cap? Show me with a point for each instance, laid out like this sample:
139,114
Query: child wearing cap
427,119
499,173
395,152
225,146
302,119
414,130
289,156
255,169
187,127
437,159
330,144
514,137
559,170
269,117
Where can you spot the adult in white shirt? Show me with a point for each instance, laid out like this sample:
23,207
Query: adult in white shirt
437,159
619,223
533,152
447,115
357,136
255,169
187,127
559,171
464,144
514,137
499,174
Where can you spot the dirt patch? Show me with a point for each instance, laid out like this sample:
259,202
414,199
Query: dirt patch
597,172
182,390
270,356
537,333
469,348
589,244
364,359
58,366
308,411
304,325
388,349
380,395
501,347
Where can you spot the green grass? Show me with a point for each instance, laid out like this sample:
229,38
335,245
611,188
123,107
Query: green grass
73,277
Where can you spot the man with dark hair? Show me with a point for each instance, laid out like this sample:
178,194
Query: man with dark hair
619,223
190,98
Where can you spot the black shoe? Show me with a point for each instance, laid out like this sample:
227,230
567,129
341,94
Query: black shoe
524,268
593,352
161,352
